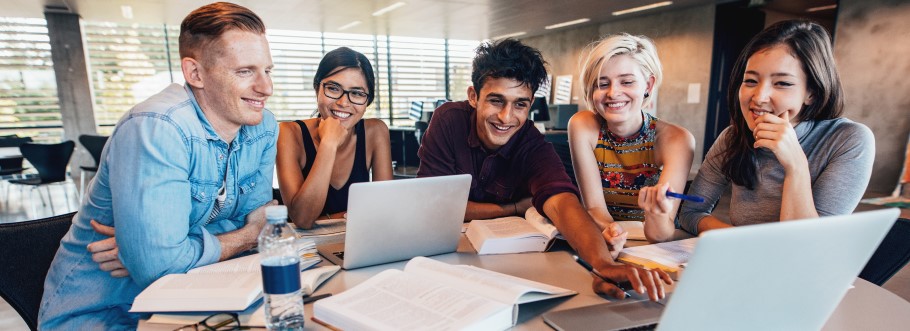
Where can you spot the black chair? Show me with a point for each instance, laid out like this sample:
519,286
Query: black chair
51,162
28,249
890,256
14,140
94,145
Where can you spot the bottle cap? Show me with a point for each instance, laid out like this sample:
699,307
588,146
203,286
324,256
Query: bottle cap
276,214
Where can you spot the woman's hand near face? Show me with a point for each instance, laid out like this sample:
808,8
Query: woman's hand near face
776,134
331,132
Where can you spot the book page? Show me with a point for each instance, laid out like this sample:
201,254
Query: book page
671,253
497,286
251,263
541,223
311,279
507,227
396,300
635,229
199,292
323,228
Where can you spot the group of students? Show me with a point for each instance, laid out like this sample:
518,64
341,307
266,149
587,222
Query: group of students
186,175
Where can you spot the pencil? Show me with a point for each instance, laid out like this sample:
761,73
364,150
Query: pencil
594,272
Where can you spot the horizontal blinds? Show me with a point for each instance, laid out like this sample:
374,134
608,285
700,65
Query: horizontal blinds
28,88
128,64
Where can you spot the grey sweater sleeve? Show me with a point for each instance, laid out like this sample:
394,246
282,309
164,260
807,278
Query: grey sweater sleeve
710,183
841,182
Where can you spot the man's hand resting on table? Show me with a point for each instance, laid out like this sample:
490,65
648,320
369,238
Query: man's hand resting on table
642,280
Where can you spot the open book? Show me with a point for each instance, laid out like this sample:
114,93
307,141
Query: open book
432,295
207,289
254,315
670,256
513,234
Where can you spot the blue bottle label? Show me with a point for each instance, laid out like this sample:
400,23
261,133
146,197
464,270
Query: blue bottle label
281,279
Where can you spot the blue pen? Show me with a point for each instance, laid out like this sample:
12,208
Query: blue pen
590,269
693,198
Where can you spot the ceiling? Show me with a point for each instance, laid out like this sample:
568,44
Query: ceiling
455,19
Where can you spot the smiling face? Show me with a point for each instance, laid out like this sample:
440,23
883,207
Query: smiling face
502,108
620,90
774,82
233,80
348,79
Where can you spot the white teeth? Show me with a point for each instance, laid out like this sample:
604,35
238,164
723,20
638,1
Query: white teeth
503,128
615,104
340,114
256,103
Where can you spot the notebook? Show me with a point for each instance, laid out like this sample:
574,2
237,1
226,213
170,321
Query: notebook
776,276
399,219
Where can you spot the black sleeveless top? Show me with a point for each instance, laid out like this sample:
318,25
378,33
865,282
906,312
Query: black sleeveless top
337,200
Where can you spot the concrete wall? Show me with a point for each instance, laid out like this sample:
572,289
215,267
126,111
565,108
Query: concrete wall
684,42
871,49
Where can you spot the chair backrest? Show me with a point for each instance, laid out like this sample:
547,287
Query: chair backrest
28,249
94,145
890,256
13,140
50,160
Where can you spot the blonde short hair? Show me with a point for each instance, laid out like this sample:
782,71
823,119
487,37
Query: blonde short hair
640,48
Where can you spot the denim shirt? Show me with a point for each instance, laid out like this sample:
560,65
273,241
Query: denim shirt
157,184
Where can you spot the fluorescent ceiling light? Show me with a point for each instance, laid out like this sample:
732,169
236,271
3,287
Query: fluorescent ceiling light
516,34
820,8
389,8
645,7
559,25
127,12
349,25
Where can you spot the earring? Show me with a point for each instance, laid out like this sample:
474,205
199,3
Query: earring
647,95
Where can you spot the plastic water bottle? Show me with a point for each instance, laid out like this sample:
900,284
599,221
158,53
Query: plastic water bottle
280,272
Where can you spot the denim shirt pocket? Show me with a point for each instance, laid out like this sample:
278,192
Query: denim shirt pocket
248,183
204,194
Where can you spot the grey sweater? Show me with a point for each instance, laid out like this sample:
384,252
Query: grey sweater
840,154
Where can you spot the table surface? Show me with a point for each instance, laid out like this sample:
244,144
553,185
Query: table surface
866,306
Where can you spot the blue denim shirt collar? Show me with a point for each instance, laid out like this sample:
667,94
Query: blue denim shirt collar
209,129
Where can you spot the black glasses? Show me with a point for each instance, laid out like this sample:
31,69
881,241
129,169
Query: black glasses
335,91
216,322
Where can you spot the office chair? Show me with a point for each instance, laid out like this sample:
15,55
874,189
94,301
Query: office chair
94,145
28,249
890,256
420,129
51,162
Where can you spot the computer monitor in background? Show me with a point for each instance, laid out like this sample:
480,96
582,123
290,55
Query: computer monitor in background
560,115
539,111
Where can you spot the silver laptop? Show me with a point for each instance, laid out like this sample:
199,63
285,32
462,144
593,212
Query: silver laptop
396,220
777,276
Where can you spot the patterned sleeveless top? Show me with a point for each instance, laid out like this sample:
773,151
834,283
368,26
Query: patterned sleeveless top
626,165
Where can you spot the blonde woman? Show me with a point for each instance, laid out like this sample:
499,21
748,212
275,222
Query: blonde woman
625,159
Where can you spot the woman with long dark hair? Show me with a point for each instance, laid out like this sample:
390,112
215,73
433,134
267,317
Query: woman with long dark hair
788,153
315,185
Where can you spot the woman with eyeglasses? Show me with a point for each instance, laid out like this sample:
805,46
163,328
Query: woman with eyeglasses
319,158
